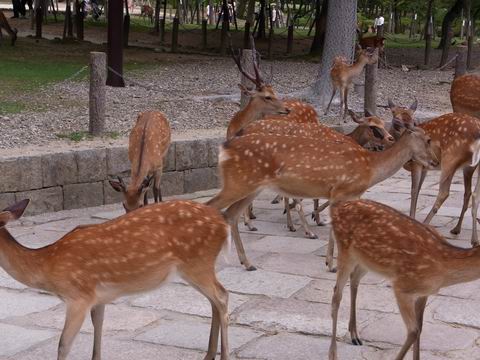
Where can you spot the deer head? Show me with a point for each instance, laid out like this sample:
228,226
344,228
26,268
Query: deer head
373,128
133,195
421,146
402,117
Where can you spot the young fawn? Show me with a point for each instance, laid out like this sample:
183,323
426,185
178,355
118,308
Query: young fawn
465,94
148,144
93,265
342,75
306,167
415,258
453,136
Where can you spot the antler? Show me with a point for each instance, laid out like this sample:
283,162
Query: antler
257,80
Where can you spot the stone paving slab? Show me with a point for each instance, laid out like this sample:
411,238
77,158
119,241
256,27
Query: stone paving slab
281,311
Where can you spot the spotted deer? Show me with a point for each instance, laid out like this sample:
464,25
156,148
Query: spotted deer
342,75
93,265
453,136
6,26
148,144
146,11
306,167
413,257
465,94
370,129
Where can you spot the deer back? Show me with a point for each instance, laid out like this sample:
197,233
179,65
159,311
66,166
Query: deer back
130,253
465,94
148,143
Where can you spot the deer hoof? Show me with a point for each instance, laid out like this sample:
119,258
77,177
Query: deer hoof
251,268
292,229
455,231
310,235
253,228
357,341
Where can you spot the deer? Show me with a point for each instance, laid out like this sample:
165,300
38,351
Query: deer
148,144
342,75
6,26
146,11
453,136
93,265
306,167
414,257
370,129
465,94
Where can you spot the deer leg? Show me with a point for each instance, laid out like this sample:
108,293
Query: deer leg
97,315
345,102
205,281
247,219
331,99
467,183
445,181
317,210
330,249
406,304
308,233
342,98
232,215
418,176
345,266
251,215
355,277
157,191
75,316
475,200
277,199
145,197
290,225
419,311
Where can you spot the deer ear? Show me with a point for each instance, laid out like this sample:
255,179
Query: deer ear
245,91
413,107
13,212
117,185
355,117
145,183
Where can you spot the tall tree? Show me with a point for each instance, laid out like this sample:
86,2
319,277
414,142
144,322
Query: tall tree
339,40
450,16
320,26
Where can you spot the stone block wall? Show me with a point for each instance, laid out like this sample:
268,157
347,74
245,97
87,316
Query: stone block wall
79,178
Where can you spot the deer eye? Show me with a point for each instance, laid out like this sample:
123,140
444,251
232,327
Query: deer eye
268,98
429,141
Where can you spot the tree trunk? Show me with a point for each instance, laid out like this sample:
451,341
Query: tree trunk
126,25
242,6
450,16
115,44
261,21
251,12
225,25
339,40
96,124
428,33
157,16
320,25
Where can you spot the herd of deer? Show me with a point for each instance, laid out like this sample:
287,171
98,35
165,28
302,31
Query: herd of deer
279,145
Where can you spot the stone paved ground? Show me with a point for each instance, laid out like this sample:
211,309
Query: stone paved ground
281,311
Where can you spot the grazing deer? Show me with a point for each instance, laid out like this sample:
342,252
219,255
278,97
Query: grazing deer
148,144
465,94
374,42
6,26
306,167
342,75
93,265
415,258
453,136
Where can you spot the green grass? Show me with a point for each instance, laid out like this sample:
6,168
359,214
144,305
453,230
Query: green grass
78,136
402,41
10,107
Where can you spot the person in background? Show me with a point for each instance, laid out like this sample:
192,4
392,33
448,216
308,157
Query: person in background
378,25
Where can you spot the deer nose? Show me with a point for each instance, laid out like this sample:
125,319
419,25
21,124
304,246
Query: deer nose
390,138
285,111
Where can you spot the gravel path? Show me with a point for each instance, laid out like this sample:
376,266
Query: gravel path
197,93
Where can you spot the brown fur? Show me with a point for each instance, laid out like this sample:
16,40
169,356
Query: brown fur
415,258
93,265
465,94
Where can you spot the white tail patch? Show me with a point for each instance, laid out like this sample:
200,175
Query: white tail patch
475,147
227,246
222,154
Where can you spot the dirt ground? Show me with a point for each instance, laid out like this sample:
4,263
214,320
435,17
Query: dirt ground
200,92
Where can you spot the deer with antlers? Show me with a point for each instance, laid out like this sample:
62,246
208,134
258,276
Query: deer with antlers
148,144
415,258
342,75
465,94
306,167
453,136
93,265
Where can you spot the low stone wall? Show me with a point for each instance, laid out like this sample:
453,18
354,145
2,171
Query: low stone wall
79,178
